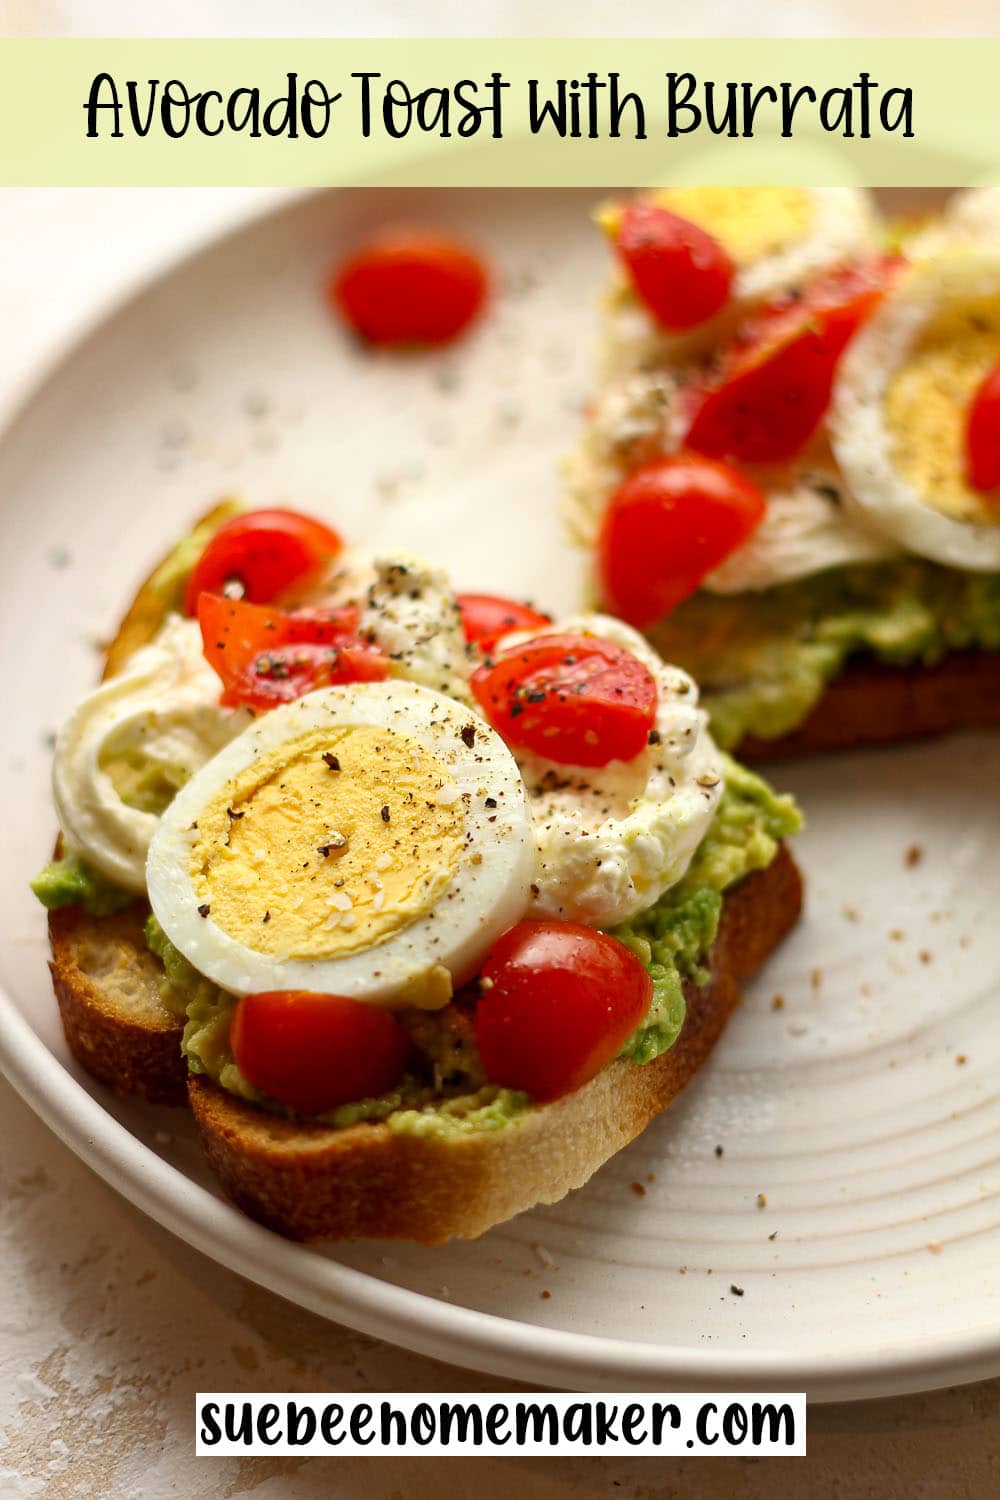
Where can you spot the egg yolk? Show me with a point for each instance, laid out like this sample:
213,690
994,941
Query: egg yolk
927,401
748,222
328,845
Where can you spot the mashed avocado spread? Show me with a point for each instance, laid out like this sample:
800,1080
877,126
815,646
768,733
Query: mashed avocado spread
673,939
70,882
674,936
763,659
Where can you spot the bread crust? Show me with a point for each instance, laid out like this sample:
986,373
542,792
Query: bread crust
106,980
311,1182
107,985
871,704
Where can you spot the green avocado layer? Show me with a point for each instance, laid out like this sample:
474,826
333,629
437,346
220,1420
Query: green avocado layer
673,939
763,659
71,882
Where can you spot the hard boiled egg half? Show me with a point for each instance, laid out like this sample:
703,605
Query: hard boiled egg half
900,409
778,236
370,841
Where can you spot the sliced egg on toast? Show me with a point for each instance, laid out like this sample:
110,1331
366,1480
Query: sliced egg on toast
900,409
778,236
370,840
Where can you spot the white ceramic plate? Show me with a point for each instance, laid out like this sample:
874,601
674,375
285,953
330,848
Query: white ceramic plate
865,1109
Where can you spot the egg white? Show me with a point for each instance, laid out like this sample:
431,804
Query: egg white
487,893
844,226
878,492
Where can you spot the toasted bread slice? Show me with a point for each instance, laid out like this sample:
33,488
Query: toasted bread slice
873,704
368,1181
107,984
311,1182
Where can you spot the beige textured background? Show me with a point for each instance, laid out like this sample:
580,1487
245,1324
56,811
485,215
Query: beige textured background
108,1325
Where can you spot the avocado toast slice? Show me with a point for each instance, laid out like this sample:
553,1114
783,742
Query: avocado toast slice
448,1154
871,655
857,600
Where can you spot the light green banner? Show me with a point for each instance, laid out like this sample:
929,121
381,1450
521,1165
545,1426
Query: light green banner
498,112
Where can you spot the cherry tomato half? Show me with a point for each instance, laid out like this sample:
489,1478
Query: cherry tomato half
667,526
777,375
681,273
982,436
266,656
410,286
558,1002
487,617
258,555
576,699
312,1052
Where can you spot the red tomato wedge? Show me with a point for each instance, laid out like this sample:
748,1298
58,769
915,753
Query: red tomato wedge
558,1001
487,617
258,555
266,656
777,375
313,1052
410,286
678,270
982,437
667,526
576,699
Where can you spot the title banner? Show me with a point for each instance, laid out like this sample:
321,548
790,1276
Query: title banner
498,112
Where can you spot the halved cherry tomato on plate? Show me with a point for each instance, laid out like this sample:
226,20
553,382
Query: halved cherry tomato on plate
576,699
679,271
982,436
487,617
266,656
558,1003
312,1052
257,556
668,525
777,374
410,286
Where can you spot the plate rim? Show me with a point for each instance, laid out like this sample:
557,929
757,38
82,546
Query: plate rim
426,1325
362,1300
150,267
